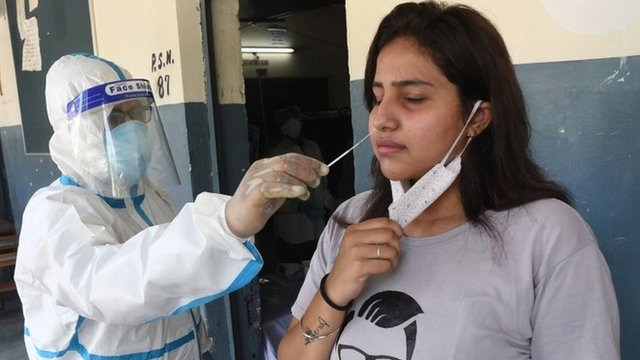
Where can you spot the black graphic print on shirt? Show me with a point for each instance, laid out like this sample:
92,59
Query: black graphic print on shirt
389,317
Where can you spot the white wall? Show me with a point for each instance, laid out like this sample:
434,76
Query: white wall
9,106
131,38
152,29
535,31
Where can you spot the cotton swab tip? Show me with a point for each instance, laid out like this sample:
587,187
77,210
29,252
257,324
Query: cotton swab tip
348,150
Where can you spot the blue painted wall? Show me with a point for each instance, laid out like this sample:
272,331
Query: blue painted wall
586,121
585,117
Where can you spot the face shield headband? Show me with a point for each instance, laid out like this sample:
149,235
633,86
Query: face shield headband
118,139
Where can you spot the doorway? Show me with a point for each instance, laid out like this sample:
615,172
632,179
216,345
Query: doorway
314,81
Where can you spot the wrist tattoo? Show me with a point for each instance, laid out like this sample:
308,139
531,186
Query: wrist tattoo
313,335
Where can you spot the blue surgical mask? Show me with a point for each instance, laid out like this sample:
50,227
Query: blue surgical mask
291,128
131,151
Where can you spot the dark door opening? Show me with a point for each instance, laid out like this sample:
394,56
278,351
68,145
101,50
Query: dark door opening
314,80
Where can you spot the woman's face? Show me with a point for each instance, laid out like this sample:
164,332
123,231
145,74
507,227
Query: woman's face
416,117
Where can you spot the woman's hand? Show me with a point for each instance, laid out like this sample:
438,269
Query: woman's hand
368,248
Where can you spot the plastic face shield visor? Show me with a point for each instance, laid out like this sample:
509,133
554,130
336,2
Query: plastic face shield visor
122,119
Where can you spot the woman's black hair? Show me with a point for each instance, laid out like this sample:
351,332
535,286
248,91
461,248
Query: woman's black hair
498,171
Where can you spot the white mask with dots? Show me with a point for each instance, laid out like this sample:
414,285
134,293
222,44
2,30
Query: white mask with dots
410,201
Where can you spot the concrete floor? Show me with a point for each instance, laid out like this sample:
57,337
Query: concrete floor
11,328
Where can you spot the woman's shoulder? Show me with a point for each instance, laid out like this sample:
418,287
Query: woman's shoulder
348,212
549,216
352,209
550,212
549,228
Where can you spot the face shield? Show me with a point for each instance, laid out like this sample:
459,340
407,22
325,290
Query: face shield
118,139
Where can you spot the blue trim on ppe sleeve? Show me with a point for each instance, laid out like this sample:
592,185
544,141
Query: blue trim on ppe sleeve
65,180
113,202
119,203
74,345
137,204
248,273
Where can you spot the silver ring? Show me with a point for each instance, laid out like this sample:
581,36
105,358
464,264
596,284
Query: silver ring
378,250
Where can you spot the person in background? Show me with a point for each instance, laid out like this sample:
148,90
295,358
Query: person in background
105,267
297,225
463,249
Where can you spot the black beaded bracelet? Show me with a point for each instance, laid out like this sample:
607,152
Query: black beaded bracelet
325,297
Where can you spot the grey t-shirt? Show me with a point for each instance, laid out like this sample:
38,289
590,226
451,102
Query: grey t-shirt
545,294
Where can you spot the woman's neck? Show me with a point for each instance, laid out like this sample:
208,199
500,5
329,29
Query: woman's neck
444,214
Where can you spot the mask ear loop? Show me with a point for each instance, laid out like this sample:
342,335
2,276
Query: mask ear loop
473,112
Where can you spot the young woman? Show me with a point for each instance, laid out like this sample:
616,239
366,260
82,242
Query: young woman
436,262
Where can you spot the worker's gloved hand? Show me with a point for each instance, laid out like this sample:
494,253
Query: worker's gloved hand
265,187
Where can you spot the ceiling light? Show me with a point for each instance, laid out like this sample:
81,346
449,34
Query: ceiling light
279,50
276,29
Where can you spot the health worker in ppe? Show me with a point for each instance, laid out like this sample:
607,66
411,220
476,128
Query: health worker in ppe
105,266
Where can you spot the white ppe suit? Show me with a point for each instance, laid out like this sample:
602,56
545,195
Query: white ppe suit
102,277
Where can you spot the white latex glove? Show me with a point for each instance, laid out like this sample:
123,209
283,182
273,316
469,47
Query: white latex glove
265,187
